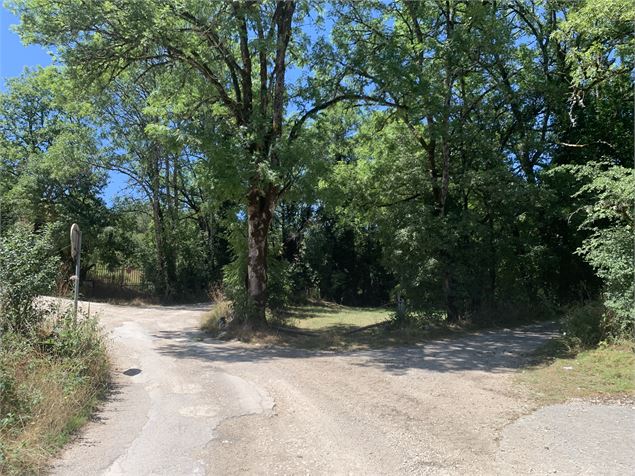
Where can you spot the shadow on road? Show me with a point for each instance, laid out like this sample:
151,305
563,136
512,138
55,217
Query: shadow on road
496,350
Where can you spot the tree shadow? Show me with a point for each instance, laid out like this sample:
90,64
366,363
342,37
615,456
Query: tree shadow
497,350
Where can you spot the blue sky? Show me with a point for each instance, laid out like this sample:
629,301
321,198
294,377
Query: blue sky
14,57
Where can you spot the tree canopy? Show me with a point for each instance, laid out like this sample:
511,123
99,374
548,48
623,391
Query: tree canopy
469,158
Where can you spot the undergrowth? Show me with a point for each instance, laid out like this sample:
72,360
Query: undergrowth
50,381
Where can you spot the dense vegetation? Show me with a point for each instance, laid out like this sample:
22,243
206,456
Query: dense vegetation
51,369
467,159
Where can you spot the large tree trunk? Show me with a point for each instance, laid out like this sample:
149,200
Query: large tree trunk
261,200
260,210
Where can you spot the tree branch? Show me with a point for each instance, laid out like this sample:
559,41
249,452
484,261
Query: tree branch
295,129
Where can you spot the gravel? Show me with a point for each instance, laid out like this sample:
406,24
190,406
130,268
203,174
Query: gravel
194,405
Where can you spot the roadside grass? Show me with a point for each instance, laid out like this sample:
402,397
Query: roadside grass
561,372
49,386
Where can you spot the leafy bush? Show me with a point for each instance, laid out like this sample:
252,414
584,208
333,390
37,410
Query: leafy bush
584,324
279,284
51,370
610,191
72,340
279,287
27,270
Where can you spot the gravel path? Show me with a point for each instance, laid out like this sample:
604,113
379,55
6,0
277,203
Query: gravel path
186,404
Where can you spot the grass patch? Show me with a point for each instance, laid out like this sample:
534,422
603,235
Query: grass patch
49,385
561,372
327,316
334,327
323,325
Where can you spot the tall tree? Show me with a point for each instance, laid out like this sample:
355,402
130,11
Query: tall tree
237,52
150,165
45,143
596,147
422,60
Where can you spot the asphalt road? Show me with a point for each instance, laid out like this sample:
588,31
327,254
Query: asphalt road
185,404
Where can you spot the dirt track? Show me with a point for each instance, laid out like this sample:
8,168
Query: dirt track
185,404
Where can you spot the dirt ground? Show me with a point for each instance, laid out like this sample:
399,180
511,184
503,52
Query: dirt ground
187,404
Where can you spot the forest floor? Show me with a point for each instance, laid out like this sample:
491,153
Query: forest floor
184,403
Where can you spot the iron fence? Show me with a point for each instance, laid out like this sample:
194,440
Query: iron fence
124,276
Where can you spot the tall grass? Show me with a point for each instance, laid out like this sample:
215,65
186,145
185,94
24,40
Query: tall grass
49,384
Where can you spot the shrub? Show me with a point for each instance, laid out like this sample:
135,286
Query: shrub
609,216
584,323
67,339
27,270
279,287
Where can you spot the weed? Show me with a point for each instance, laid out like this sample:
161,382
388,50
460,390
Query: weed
53,381
218,318
583,323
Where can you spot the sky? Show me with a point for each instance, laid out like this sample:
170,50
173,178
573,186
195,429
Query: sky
14,57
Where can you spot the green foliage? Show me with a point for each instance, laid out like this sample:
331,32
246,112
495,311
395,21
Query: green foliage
599,32
582,324
608,193
69,340
47,144
235,273
346,261
411,155
28,268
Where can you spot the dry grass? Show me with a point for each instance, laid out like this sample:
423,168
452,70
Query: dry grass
218,317
52,396
563,373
